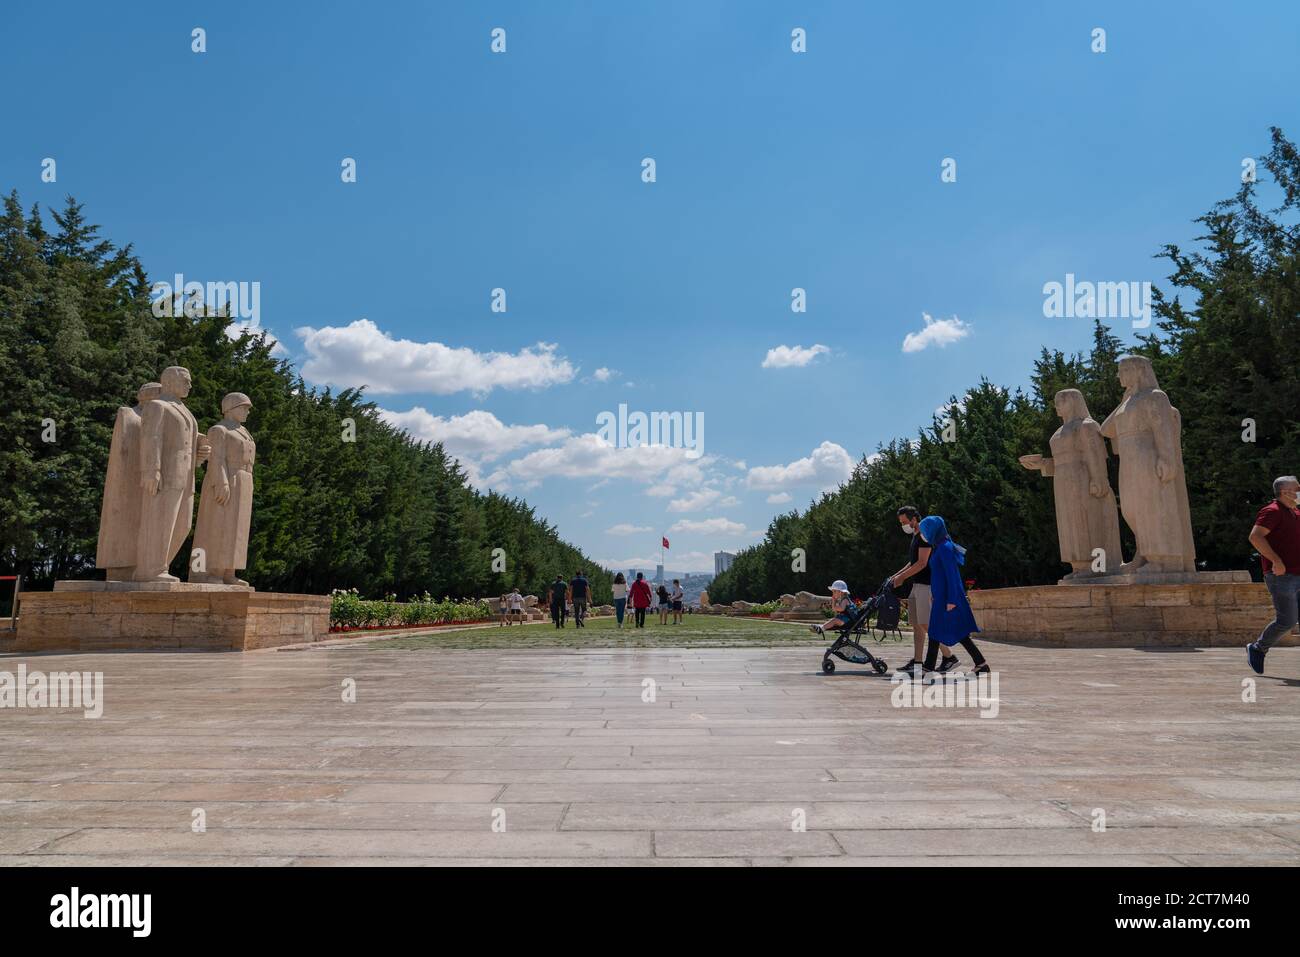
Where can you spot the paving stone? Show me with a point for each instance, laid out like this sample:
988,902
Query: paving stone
711,772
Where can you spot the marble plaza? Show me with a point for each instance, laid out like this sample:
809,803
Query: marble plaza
716,756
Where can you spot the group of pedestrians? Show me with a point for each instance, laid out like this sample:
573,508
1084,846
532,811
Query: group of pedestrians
641,597
575,594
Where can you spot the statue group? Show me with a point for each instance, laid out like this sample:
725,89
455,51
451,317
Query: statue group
1145,431
149,488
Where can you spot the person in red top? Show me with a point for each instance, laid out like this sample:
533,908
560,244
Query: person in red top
640,598
1276,536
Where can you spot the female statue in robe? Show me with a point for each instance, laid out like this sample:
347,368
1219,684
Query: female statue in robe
1086,517
226,506
1146,432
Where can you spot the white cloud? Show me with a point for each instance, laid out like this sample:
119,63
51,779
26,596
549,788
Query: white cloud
778,498
661,491
937,332
693,561
625,528
588,456
477,434
783,357
710,526
361,354
604,375
695,501
826,467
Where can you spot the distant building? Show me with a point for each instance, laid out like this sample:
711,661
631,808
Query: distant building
722,561
659,574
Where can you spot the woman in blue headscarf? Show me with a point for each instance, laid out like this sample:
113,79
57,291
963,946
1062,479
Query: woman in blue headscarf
951,620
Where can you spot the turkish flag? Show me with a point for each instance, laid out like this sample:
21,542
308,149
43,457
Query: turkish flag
665,543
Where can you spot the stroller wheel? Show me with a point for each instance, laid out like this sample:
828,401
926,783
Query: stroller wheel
828,666
880,666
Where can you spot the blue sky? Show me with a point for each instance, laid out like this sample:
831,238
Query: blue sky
774,170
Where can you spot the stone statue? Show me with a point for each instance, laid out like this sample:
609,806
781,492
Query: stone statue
1086,518
1145,431
171,445
226,506
807,601
119,517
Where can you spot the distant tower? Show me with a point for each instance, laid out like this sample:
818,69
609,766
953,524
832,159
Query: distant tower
659,574
722,561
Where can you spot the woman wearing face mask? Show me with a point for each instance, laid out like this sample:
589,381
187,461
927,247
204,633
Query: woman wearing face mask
951,620
912,582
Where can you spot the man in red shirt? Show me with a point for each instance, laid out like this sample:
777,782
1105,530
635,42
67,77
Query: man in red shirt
640,598
1276,536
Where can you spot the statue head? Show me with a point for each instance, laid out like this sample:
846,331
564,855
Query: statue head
235,405
1136,373
176,381
1070,405
148,392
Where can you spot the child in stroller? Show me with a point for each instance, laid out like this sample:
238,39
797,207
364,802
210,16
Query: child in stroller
850,621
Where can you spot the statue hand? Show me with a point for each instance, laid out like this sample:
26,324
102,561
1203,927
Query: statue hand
1094,490
1033,462
204,451
151,483
223,493
1163,471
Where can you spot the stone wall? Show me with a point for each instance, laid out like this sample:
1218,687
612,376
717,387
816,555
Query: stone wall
234,620
1099,616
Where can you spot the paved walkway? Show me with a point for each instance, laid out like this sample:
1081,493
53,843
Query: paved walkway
737,746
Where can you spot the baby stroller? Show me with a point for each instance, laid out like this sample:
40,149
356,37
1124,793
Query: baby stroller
847,646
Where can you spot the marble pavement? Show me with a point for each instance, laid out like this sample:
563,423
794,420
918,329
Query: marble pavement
561,746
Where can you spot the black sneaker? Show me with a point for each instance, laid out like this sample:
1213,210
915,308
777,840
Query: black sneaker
909,668
1255,657
948,664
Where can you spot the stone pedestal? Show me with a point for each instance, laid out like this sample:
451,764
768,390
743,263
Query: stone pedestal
165,616
1190,615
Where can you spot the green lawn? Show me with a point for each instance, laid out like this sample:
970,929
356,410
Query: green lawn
696,631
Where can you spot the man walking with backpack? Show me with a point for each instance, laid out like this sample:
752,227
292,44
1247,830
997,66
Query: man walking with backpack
559,591
580,588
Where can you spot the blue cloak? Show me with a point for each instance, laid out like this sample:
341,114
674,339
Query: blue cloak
946,586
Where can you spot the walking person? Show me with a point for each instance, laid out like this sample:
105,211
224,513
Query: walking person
558,592
516,606
916,576
640,599
1276,536
951,620
662,592
580,589
619,589
678,596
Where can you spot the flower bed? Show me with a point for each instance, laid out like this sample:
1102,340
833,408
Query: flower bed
350,612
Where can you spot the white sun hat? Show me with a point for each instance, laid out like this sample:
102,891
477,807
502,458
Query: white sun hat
838,585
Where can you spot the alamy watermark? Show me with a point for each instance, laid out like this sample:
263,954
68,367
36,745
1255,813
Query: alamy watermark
244,299
683,430
978,691
1098,300
58,689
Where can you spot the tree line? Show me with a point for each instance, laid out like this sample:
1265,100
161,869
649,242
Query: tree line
1224,347
382,513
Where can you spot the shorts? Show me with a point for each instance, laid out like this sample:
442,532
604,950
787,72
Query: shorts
677,606
918,606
